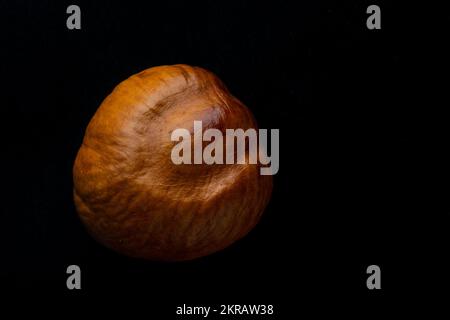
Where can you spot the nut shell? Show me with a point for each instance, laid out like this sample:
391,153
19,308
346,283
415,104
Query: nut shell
134,199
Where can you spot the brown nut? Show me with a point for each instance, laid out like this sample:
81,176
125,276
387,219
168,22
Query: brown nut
135,200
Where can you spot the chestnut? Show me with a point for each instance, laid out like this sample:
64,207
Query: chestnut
128,192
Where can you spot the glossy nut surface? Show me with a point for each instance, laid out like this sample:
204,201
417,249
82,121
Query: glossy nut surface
134,199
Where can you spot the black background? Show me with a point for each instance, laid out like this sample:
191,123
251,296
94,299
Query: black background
363,148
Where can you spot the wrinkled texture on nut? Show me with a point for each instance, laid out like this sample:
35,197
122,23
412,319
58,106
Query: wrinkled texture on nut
130,195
